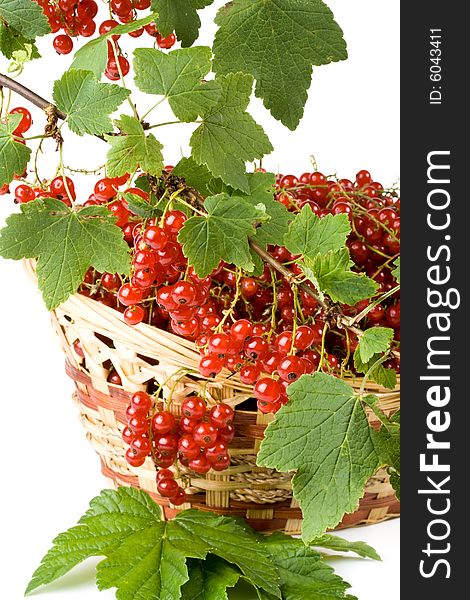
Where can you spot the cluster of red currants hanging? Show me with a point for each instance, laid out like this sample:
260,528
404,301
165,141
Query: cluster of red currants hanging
77,18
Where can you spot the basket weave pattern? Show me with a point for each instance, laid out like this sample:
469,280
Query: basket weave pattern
144,355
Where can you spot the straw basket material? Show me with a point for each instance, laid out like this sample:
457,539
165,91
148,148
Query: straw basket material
146,357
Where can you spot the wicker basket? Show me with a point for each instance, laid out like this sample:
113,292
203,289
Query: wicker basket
144,355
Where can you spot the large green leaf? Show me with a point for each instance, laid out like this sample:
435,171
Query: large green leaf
324,435
87,102
145,556
133,149
228,136
310,235
66,243
13,45
209,579
222,234
278,41
181,17
178,75
375,340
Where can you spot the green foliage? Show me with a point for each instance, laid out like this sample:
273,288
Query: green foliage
374,341
145,556
87,102
14,156
222,234
26,17
324,435
133,149
387,378
278,41
66,243
209,579
181,17
228,136
396,270
178,76
13,45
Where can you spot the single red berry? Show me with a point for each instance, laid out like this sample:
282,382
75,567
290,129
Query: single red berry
304,337
193,407
200,465
141,445
267,390
135,460
187,424
111,281
290,368
180,498
167,444
164,461
138,425
271,361
184,292
268,407
155,237
219,343
107,26
226,434
363,178
249,286
284,342
255,348
167,488
129,295
221,415
188,447
63,44
128,435
210,366
174,221
216,452
249,374
141,402
222,463
133,315
165,474
163,422
205,434
166,42
24,193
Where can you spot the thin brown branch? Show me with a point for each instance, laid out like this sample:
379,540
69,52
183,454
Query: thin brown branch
29,95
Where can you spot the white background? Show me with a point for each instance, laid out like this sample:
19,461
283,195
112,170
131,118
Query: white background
49,471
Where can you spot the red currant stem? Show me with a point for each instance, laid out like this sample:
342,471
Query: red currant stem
313,162
372,305
322,350
153,107
385,264
369,372
172,123
229,311
62,174
297,310
288,275
121,77
85,171
28,94
372,249
196,210
348,350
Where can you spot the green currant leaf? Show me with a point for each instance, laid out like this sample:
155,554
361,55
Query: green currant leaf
197,176
147,209
178,75
26,17
338,544
381,375
310,235
209,579
331,274
396,270
14,156
145,557
222,234
388,437
87,102
181,17
303,572
228,136
13,45
133,149
93,56
323,434
278,41
66,243
374,341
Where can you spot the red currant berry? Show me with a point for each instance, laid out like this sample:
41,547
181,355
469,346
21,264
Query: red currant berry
155,237
193,407
166,42
129,295
180,498
135,460
222,463
174,221
267,390
167,444
63,44
24,193
248,286
210,366
167,488
284,342
133,315
290,368
141,445
205,434
188,447
226,434
138,425
128,435
26,120
184,292
221,415
219,343
249,374
163,422
255,348
241,329
141,402
187,424
216,452
200,465
164,474
304,337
